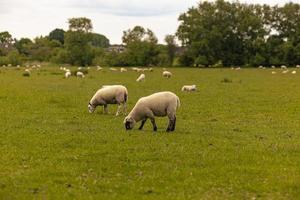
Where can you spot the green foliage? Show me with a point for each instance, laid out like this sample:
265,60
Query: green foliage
98,40
81,24
57,34
23,46
138,34
14,58
78,47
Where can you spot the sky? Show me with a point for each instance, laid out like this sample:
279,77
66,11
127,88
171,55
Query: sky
31,18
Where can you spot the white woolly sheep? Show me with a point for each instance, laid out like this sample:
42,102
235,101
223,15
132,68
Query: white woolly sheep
167,74
285,71
297,66
99,68
294,72
160,104
273,67
123,69
80,75
109,94
189,88
27,72
113,69
283,67
68,74
141,78
273,72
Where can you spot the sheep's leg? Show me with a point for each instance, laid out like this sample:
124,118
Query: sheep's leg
118,111
154,124
174,124
143,123
105,109
170,125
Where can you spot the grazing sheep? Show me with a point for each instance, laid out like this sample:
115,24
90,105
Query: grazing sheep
18,66
9,65
189,88
285,71
238,68
283,67
273,72
141,78
68,74
123,69
113,69
160,104
297,66
294,72
99,68
273,67
79,68
27,72
150,69
111,94
80,75
167,74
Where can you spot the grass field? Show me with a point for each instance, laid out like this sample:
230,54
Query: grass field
236,138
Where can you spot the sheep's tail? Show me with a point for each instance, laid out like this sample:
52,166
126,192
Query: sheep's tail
178,102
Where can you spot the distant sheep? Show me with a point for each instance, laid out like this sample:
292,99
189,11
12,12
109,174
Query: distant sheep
113,69
111,94
98,68
285,71
141,78
80,75
159,104
283,67
123,69
294,72
297,66
68,74
273,72
189,88
27,72
167,74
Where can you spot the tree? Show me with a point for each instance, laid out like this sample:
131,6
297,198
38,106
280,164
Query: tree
57,34
98,40
138,34
23,46
78,48
171,46
82,24
6,42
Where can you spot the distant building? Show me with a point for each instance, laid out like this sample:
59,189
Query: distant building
118,48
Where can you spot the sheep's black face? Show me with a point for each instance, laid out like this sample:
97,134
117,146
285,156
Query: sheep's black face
129,123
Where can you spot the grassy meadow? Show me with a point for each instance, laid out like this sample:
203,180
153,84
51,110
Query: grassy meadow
237,137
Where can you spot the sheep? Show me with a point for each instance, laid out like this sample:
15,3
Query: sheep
159,104
285,71
141,78
273,67
27,72
273,72
189,88
283,67
238,68
80,75
294,72
99,68
123,69
113,69
9,65
150,69
167,74
111,94
68,74
297,66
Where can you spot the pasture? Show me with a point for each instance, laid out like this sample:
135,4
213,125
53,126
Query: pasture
237,137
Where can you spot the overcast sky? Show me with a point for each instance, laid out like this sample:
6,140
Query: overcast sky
31,18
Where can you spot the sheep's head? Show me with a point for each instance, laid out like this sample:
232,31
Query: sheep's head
129,123
91,108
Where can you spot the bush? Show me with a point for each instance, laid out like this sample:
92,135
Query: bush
15,58
3,60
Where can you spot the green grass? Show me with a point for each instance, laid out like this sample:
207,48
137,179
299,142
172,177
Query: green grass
235,139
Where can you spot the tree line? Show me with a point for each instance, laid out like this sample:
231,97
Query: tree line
211,34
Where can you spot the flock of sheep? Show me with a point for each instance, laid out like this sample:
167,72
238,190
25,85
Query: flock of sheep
159,104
